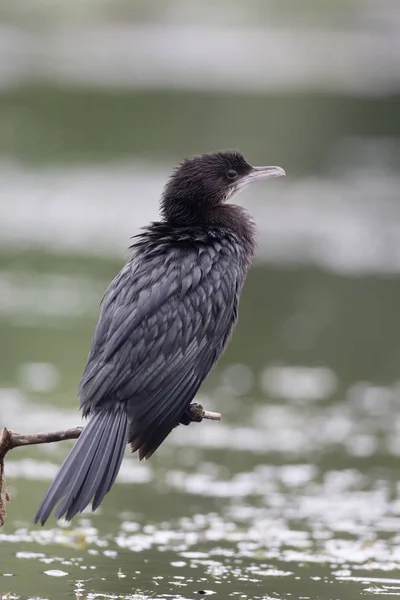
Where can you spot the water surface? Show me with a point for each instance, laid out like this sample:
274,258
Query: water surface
295,493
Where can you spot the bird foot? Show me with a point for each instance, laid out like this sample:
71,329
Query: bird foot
193,413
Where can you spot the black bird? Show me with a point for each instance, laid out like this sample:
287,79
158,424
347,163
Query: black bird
164,322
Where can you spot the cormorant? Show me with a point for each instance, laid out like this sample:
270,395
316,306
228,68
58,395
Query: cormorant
164,322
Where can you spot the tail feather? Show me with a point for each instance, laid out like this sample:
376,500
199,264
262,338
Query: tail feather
86,479
59,487
91,467
116,454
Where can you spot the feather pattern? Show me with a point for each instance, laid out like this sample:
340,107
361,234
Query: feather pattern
88,470
164,322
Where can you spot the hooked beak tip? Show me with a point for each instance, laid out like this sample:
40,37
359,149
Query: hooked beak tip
267,172
258,173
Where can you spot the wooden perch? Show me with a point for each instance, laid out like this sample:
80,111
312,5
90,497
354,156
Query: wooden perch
11,439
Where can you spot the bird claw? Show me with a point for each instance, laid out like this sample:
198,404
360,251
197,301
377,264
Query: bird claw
193,413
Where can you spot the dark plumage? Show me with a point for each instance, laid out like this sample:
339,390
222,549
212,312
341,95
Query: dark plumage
164,322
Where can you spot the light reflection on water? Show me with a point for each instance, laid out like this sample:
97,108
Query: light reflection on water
261,47
296,487
295,492
347,223
254,508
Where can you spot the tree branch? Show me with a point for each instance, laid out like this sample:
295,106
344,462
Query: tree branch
11,439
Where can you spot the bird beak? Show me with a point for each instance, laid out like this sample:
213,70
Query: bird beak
257,173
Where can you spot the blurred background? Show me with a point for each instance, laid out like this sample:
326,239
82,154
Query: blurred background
295,492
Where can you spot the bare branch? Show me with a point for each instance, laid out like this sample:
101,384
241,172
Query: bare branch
28,439
11,439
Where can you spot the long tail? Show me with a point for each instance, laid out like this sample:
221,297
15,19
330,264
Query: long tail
91,467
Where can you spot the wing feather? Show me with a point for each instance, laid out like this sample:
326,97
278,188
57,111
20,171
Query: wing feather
158,335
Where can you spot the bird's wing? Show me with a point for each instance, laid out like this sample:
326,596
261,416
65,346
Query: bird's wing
161,329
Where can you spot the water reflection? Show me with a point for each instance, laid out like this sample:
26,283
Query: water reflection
348,224
295,492
295,484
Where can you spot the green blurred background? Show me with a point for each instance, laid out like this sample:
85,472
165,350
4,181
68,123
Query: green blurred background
295,493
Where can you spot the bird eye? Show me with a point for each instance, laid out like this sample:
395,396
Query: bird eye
231,174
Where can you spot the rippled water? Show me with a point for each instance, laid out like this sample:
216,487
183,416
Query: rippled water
295,493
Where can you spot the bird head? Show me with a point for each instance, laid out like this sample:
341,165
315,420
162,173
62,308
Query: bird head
201,183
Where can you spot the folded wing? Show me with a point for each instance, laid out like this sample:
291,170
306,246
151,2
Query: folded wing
162,326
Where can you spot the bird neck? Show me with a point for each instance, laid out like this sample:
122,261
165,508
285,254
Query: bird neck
189,209
237,221
178,215
221,218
